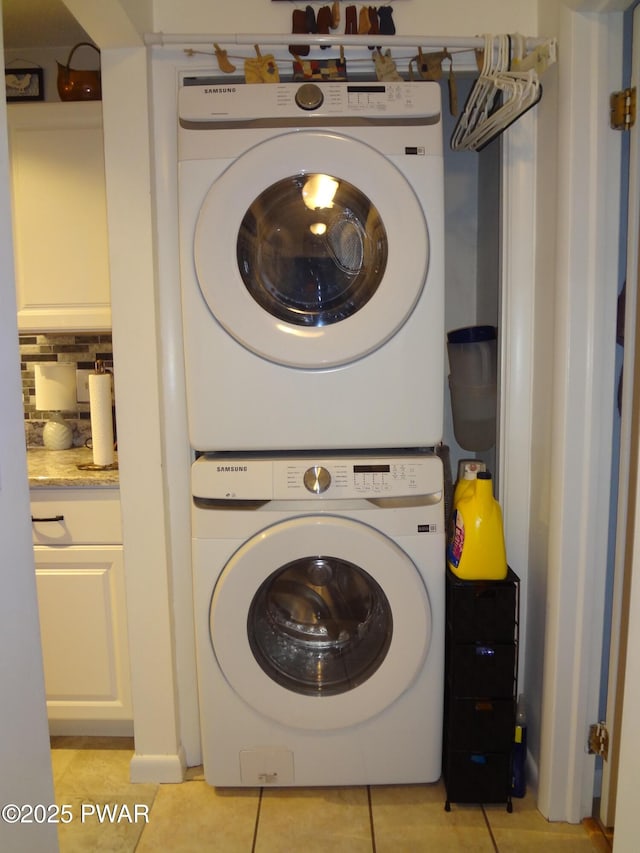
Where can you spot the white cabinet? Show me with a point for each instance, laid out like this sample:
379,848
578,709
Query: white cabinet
59,216
81,597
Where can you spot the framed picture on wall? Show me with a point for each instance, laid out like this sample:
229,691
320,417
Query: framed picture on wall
24,84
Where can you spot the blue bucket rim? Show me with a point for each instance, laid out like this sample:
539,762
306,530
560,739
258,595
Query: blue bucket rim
472,334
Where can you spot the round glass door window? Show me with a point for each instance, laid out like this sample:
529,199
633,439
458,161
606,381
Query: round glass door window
291,622
300,252
312,249
320,626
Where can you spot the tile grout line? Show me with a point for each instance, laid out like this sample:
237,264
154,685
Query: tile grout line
371,824
255,828
139,839
486,820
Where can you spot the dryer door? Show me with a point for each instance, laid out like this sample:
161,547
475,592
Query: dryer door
320,622
311,249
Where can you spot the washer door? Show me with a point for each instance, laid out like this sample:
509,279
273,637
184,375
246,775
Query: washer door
311,249
320,622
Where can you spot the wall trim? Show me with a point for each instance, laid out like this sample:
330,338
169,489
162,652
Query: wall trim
583,371
158,768
517,347
178,456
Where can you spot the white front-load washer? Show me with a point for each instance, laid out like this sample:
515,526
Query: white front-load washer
319,612
311,244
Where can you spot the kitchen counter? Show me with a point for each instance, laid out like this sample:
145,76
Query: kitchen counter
55,468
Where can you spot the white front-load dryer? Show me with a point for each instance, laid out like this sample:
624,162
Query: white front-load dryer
319,612
311,245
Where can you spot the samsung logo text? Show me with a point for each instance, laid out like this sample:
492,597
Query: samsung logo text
224,469
220,90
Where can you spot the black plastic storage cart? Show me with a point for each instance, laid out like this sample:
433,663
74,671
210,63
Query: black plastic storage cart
481,676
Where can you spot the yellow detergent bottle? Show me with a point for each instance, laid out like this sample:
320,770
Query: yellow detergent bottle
476,549
467,473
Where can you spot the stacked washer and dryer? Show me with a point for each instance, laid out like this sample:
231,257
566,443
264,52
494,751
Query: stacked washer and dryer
312,243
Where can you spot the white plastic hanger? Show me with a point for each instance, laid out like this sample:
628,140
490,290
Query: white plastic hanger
473,106
500,95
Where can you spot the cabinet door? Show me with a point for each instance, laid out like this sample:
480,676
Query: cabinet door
81,600
60,216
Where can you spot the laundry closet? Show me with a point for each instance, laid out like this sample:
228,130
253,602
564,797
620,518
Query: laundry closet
533,298
471,277
344,386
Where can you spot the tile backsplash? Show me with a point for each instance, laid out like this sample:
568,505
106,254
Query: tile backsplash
81,349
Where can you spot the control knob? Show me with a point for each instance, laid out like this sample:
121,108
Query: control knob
309,96
317,479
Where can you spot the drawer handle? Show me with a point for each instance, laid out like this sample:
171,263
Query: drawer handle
50,518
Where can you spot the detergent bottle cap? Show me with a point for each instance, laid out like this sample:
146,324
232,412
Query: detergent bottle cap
468,468
483,475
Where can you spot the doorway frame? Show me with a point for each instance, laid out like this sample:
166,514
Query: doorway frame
554,523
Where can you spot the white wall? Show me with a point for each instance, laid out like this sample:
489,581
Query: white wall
144,487
461,219
461,247
424,17
25,762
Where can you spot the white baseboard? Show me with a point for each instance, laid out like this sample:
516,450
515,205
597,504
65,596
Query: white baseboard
158,768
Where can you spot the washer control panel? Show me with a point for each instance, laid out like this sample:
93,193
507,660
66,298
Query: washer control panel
305,478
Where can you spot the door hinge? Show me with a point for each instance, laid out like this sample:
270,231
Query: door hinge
599,740
623,109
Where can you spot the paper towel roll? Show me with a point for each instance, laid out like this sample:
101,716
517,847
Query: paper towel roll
101,418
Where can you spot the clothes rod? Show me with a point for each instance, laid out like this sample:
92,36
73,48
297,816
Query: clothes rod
450,42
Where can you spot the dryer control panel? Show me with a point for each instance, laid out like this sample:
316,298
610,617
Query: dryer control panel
310,478
206,101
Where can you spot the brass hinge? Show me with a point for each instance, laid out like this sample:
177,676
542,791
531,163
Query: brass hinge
599,740
623,109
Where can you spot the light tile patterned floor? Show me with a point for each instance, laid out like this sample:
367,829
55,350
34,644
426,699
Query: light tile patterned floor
93,773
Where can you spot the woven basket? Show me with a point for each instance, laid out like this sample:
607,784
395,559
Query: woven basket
79,85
